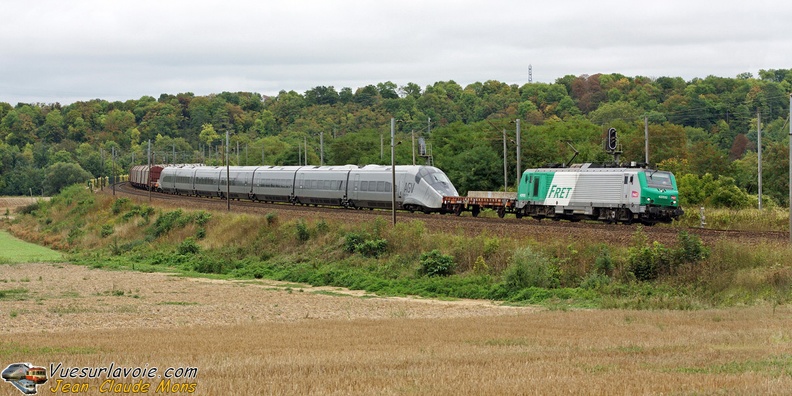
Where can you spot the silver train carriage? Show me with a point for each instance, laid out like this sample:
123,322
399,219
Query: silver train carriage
418,188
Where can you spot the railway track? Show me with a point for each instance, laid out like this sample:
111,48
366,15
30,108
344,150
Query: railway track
540,230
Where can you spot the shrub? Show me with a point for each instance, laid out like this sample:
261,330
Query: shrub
167,222
188,246
272,219
107,230
322,227
372,247
302,231
201,218
690,248
530,269
435,263
603,264
352,240
119,205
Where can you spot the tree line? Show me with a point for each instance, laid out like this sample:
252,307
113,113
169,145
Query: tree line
704,130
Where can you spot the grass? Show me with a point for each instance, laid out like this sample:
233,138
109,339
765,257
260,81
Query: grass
13,250
412,259
548,352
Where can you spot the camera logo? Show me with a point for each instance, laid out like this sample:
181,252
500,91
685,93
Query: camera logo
25,376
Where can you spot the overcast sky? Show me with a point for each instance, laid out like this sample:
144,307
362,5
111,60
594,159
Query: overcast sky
64,51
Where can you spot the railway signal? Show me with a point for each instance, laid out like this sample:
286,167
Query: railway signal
612,140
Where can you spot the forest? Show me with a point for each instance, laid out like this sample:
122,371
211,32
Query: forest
703,130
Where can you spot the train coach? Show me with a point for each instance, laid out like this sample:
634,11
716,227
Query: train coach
418,188
598,192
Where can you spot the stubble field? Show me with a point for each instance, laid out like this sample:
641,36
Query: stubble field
252,338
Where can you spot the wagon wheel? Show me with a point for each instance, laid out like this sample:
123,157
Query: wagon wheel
501,212
458,210
476,210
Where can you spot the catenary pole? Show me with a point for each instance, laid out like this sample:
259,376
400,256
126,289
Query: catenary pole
505,172
519,155
228,176
114,172
148,182
393,170
646,139
759,152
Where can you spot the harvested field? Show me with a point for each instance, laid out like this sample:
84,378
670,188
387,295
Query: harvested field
274,338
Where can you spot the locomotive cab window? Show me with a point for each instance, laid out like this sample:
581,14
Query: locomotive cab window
659,179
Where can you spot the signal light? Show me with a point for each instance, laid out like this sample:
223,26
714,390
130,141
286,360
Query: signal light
611,140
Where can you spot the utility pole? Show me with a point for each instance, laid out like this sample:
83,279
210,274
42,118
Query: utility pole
305,142
228,176
148,182
321,148
114,172
646,138
505,174
101,178
393,170
174,155
759,152
412,134
519,155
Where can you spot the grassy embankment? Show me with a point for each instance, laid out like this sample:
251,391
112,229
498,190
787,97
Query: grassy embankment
410,259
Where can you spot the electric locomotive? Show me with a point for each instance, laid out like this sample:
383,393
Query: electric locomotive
598,192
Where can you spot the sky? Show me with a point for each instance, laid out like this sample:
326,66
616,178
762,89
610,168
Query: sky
66,51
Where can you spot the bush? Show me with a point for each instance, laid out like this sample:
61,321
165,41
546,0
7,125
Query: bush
604,263
690,248
435,263
302,231
530,269
189,247
119,205
352,240
372,247
107,230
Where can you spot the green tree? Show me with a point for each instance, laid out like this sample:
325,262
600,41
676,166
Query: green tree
63,174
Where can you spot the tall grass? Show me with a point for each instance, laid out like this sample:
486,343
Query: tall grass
409,258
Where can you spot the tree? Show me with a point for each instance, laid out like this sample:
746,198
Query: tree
63,174
208,134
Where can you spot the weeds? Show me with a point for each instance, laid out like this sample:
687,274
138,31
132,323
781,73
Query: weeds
408,258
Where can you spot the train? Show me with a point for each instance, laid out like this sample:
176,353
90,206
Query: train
598,192
418,188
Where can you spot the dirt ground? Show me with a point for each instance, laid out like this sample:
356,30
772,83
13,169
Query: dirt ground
263,337
58,297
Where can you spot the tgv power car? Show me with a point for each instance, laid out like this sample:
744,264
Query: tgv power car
587,191
417,187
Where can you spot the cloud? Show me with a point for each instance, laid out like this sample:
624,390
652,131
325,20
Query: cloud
117,50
